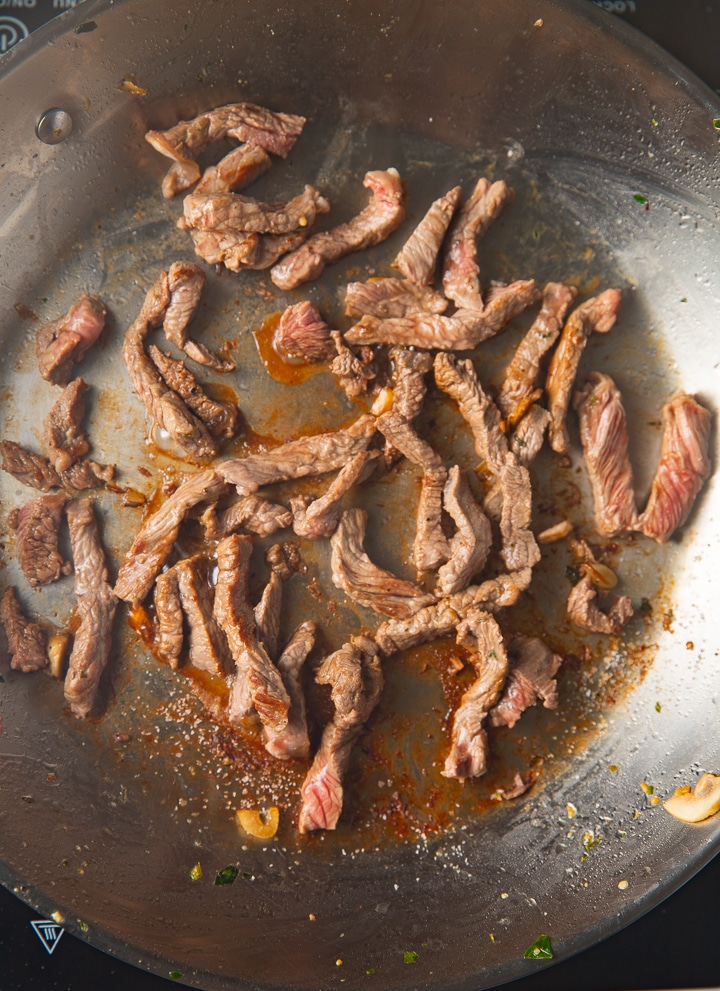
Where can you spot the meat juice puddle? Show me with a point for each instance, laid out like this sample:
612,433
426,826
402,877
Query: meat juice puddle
153,728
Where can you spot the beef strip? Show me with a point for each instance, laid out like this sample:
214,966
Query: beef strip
240,167
533,667
302,336
169,634
238,250
96,606
222,419
385,298
184,142
383,215
63,438
208,648
293,742
519,547
257,685
234,212
469,547
185,285
684,466
251,513
604,436
284,561
167,409
86,475
525,443
596,314
521,375
27,642
417,259
37,552
584,610
457,377
481,635
353,369
316,518
63,342
29,468
409,369
365,582
356,681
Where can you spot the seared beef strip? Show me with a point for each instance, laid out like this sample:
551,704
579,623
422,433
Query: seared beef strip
238,250
302,336
221,418
31,469
385,298
234,212
356,681
519,547
533,667
418,257
316,518
525,443
169,635
184,142
208,648
458,379
250,513
284,561
185,285
237,169
409,369
293,741
353,369
63,342
584,611
257,685
86,475
37,552
470,546
63,438
481,635
604,436
684,466
27,642
96,606
365,582
521,376
596,314
383,215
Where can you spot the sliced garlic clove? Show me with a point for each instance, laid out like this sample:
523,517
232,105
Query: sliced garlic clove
694,806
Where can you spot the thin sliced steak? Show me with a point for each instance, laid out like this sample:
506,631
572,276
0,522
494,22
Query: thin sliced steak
409,369
584,610
222,419
169,634
238,250
317,518
208,648
38,523
185,284
302,336
237,169
293,743
519,548
250,513
684,466
353,369
63,437
525,443
87,475
383,215
418,257
27,642
385,298
29,468
457,377
356,681
284,561
470,546
96,606
234,212
533,667
63,342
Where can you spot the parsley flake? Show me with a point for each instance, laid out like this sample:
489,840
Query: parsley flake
410,956
175,975
716,123
658,707
227,875
639,198
541,949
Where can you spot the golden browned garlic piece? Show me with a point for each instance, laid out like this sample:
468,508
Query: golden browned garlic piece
694,806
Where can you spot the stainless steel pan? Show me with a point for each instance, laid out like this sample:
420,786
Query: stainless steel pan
580,115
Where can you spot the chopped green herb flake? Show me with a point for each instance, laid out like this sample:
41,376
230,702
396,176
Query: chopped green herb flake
645,607
541,949
572,574
716,123
536,235
175,975
658,707
410,956
648,789
85,28
84,927
493,654
520,442
370,971
654,122
227,875
590,840
639,198
684,299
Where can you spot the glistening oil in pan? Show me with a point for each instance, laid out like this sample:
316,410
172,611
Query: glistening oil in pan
161,733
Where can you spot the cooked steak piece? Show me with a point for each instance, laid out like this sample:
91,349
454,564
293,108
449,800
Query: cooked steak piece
356,681
249,513
221,418
684,466
31,469
525,443
316,518
519,547
302,336
533,667
584,610
63,342
96,606
269,248
167,409
365,582
604,436
27,642
234,212
233,249
284,561
470,546
521,376
383,215
86,475
184,142
596,314
353,369
38,523
293,743
208,648
185,285
257,685
418,257
237,169
384,298
409,369
153,544
457,377
169,635
461,281
481,635
63,438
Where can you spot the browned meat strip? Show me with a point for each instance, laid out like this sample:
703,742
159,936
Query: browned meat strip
169,636
302,336
38,523
96,606
356,681
276,133
250,513
86,475
353,369
458,379
481,635
63,342
234,212
185,285
603,431
521,376
383,215
418,257
596,314
533,667
469,547
221,418
525,443
316,518
684,466
153,544
208,648
257,685
409,369
284,561
385,298
584,611
237,169
27,642
63,438
31,469
166,408
293,741
519,547
238,250
365,582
